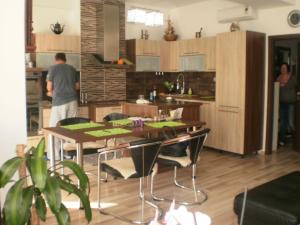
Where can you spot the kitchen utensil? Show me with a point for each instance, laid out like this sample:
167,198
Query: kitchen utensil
57,28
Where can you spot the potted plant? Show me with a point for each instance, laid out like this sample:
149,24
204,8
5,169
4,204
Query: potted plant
44,187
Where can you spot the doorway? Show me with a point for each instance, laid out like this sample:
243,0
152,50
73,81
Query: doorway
282,48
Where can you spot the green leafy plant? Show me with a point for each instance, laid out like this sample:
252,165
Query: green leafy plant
169,86
45,188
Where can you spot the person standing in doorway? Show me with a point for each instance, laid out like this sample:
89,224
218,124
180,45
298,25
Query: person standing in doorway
62,85
288,98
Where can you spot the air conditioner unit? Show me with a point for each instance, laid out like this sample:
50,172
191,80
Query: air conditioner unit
236,14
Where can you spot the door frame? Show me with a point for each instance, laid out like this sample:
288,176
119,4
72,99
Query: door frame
270,94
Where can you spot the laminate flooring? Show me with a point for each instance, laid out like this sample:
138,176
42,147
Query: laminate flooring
221,175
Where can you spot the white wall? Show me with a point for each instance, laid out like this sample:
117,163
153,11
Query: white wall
190,18
12,85
65,12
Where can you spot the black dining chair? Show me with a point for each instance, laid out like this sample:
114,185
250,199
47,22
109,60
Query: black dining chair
193,142
69,150
114,116
140,164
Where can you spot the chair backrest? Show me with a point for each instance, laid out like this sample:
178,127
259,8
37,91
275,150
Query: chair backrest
144,154
197,141
73,120
114,116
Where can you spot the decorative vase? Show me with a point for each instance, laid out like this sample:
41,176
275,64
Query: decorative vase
170,32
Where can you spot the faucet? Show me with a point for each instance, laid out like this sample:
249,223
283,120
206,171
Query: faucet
178,88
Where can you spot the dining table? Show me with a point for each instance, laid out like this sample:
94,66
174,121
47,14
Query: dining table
93,132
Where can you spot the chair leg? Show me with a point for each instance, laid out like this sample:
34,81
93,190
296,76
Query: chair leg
62,156
177,184
143,199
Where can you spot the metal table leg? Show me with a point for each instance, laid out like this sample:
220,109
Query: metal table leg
52,152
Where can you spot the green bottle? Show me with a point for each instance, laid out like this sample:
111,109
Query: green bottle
190,92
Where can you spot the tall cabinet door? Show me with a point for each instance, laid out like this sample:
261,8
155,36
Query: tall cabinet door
230,133
230,91
231,69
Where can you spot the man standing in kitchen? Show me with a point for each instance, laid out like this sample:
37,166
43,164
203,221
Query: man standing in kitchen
62,85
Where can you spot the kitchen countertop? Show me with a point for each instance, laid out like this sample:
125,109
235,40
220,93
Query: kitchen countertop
161,103
47,104
194,98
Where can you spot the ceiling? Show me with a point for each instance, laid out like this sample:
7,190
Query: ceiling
259,4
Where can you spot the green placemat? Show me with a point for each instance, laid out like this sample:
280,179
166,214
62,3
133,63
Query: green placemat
165,124
122,122
108,132
79,126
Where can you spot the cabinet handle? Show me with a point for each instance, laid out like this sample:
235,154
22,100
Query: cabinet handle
228,106
229,111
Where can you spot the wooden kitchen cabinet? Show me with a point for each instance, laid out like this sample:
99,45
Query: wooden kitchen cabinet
202,46
98,112
208,115
191,47
46,112
57,43
240,91
210,52
147,47
169,60
145,54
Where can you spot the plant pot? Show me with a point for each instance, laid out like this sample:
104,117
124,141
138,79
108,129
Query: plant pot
170,37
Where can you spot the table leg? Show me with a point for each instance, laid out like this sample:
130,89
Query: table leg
79,155
52,152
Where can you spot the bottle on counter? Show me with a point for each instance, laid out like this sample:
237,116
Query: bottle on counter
190,92
154,93
151,97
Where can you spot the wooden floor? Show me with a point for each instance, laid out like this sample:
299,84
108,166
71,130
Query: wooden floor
221,175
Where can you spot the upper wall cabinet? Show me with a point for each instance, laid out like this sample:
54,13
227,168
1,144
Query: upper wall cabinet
145,54
57,43
169,60
147,47
191,47
203,46
210,52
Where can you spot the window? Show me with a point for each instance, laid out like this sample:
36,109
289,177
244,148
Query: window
147,17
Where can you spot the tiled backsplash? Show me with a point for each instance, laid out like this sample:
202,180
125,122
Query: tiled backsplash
201,83
99,82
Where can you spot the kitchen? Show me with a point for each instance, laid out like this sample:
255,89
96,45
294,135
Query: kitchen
199,60
214,73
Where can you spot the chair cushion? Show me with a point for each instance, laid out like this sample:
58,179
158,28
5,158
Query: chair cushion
184,161
122,167
88,145
274,203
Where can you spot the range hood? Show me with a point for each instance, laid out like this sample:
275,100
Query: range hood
111,37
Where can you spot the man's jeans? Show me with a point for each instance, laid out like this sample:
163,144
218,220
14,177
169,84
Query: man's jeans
58,113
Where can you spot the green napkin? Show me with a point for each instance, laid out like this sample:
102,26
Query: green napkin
165,124
121,122
79,126
108,132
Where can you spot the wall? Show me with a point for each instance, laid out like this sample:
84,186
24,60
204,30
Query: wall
204,14
133,31
47,12
12,87
67,12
